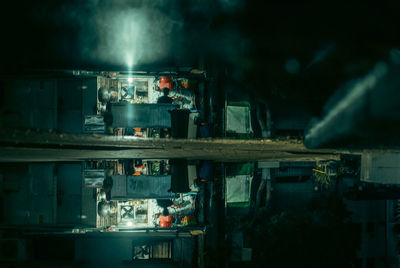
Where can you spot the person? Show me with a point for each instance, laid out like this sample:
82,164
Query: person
165,219
107,186
128,165
164,203
165,98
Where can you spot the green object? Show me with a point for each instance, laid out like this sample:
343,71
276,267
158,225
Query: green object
155,168
189,223
238,120
238,189
239,103
246,169
240,169
239,204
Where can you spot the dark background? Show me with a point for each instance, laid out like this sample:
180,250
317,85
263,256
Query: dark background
330,42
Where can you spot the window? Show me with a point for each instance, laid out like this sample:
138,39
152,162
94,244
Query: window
157,250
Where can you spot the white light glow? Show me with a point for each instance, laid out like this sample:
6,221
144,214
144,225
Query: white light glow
132,33
359,89
129,224
129,60
130,79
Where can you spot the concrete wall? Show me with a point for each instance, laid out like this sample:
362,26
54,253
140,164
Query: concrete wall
76,98
29,104
103,250
41,193
29,193
47,103
69,187
380,167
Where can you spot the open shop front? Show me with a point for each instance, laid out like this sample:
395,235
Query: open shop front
137,194
146,106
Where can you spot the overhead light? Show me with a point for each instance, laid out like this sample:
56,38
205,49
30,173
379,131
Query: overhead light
130,79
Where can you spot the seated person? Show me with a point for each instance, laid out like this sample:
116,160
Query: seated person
165,219
165,98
